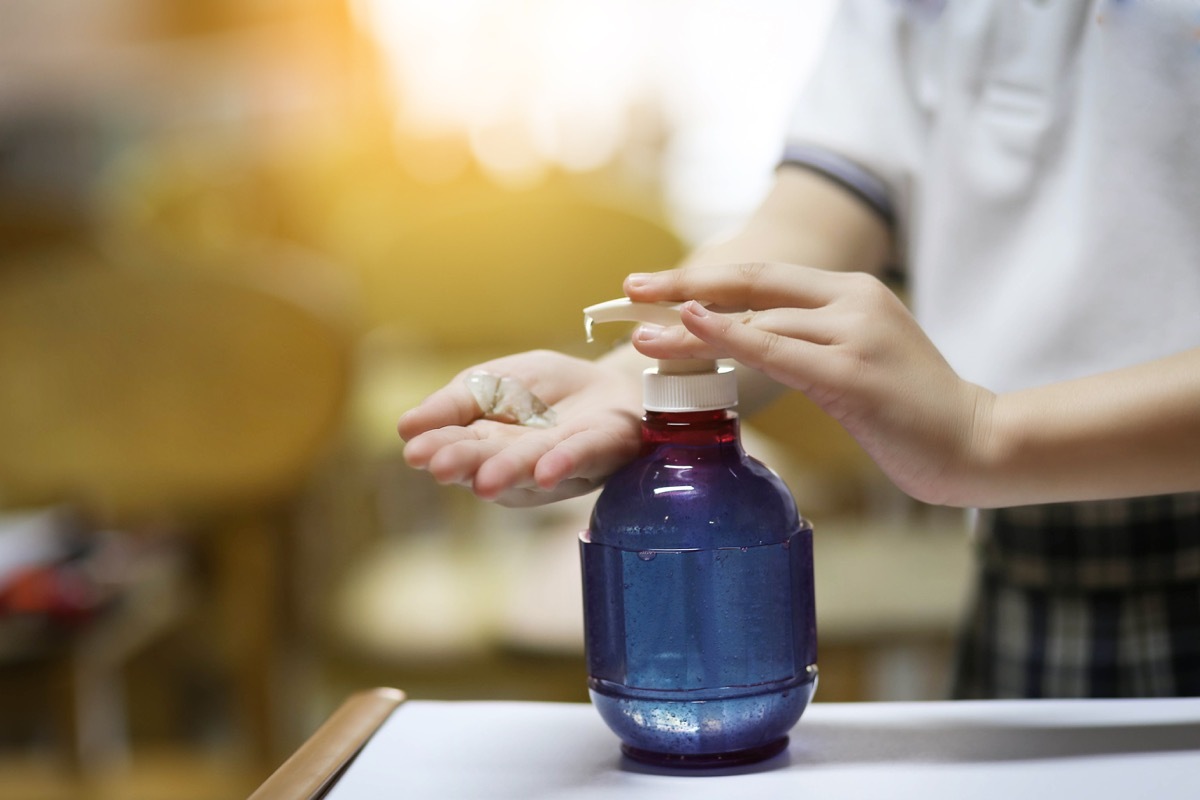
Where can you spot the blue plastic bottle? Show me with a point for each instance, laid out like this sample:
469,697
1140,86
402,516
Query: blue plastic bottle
698,581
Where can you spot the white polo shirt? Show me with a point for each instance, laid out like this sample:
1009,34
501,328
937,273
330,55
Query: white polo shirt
1042,161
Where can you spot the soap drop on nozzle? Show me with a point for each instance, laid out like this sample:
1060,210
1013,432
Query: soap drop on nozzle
680,384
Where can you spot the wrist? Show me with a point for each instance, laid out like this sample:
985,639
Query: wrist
985,453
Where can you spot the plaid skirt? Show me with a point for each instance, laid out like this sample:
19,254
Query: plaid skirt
1098,599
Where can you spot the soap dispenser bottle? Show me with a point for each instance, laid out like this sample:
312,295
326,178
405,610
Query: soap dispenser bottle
699,612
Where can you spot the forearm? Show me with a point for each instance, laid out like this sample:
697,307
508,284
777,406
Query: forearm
1129,432
806,219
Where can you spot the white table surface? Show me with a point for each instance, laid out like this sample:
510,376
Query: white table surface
1094,749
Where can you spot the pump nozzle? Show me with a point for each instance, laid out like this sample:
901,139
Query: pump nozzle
684,384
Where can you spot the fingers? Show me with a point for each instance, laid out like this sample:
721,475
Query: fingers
802,361
453,454
806,328
524,498
547,375
451,405
499,461
758,285
590,454
676,341
491,457
512,464
545,462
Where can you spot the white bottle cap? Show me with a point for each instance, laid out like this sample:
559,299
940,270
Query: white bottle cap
676,384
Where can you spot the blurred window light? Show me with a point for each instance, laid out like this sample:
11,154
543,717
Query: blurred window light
534,84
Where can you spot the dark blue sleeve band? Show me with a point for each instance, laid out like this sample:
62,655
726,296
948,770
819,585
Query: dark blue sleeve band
844,172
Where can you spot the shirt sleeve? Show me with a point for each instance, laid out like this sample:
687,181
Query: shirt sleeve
859,119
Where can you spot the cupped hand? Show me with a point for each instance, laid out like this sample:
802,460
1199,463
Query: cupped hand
597,407
847,342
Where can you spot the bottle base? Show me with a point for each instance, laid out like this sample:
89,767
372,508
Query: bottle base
736,758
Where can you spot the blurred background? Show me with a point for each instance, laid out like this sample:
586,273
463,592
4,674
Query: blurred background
237,239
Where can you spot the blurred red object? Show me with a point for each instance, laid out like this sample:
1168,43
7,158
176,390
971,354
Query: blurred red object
64,594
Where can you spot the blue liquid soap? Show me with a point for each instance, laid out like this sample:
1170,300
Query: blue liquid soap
698,599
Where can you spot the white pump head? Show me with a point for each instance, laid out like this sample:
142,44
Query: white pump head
676,384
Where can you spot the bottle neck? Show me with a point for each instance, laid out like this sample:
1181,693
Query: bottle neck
696,428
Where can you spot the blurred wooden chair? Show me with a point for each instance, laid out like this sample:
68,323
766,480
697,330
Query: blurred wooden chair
196,396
